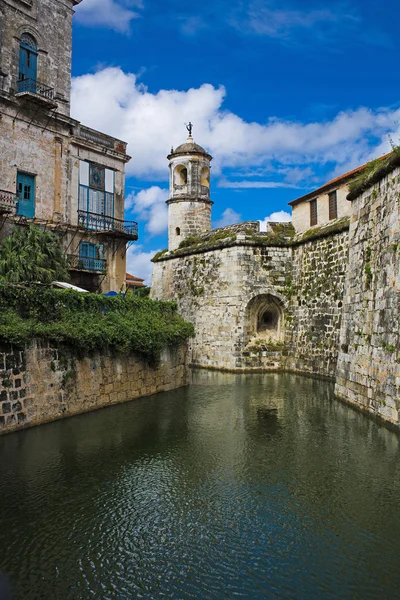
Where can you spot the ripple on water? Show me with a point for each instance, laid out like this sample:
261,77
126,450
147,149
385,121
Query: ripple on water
238,487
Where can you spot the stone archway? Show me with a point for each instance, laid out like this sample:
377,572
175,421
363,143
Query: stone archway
264,319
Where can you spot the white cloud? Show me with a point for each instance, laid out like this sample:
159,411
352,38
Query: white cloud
278,23
149,205
114,102
138,263
276,217
228,217
106,13
224,183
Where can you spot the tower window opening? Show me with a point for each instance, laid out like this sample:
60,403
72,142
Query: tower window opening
205,177
181,175
178,231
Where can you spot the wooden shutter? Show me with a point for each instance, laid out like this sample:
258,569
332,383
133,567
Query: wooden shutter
333,205
313,213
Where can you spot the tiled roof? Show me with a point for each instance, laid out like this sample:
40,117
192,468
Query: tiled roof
332,183
132,277
134,281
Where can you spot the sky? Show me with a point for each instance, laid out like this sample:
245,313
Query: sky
284,95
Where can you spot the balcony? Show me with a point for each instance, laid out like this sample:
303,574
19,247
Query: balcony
8,202
86,263
37,91
108,225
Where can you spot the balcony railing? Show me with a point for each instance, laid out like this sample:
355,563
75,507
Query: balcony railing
104,223
35,87
86,263
8,202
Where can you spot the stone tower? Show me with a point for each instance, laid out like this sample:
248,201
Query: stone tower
189,204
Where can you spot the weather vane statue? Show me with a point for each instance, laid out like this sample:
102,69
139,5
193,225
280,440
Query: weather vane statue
189,127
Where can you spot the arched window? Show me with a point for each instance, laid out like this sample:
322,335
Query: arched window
178,231
27,64
180,175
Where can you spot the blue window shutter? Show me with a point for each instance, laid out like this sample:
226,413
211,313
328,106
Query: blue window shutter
27,63
26,195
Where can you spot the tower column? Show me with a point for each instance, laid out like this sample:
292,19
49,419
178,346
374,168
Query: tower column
189,204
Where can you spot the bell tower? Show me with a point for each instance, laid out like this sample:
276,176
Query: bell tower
189,204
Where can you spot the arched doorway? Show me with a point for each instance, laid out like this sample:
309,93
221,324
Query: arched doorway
265,318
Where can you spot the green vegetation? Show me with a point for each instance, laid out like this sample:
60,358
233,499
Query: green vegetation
335,226
32,255
88,323
373,171
206,241
159,254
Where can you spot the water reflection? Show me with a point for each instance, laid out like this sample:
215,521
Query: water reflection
250,486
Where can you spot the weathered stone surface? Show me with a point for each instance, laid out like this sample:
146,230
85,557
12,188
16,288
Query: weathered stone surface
368,370
60,386
224,291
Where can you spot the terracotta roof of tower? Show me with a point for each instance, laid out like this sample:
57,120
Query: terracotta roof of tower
332,183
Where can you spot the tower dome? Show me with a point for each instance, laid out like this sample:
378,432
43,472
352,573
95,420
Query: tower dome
189,204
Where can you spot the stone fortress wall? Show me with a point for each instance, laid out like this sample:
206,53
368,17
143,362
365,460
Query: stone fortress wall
323,302
42,383
296,286
368,369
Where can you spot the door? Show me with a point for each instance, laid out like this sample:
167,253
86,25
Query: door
26,195
27,69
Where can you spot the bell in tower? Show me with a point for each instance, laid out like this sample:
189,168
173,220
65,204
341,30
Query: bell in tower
189,204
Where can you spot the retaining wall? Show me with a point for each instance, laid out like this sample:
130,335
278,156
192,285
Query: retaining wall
42,384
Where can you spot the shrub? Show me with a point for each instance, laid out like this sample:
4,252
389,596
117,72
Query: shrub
32,255
88,323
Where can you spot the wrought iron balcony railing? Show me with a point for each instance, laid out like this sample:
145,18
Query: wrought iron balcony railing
35,87
8,202
86,263
104,223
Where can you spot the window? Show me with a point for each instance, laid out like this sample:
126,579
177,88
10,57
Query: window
96,196
178,231
333,205
26,195
27,64
313,213
180,175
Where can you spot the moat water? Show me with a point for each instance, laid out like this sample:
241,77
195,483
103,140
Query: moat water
241,486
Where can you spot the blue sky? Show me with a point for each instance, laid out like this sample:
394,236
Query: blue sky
283,95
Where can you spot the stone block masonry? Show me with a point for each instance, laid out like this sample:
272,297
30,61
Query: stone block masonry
227,291
368,370
42,384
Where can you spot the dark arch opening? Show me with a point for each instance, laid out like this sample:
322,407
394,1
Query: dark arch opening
268,320
264,318
178,231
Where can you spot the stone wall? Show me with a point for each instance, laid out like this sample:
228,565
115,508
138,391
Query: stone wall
43,384
224,291
316,298
368,372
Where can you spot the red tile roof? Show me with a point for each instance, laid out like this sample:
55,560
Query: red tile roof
332,183
134,281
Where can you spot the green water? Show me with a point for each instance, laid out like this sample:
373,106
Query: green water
242,486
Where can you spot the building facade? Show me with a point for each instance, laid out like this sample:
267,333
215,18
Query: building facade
54,171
